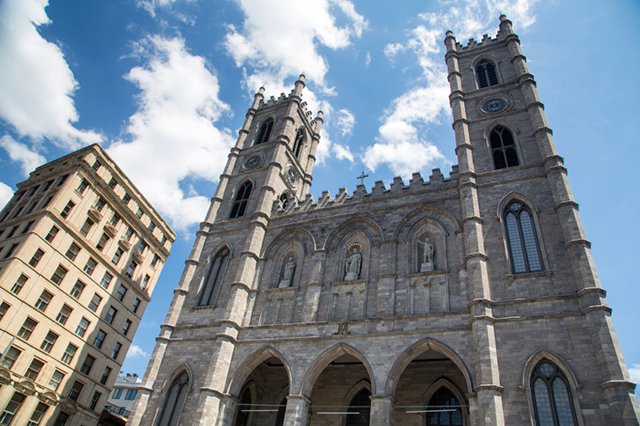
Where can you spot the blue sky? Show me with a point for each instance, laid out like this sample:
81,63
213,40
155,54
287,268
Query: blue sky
165,84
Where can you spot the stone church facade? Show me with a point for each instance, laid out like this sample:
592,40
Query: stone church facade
471,299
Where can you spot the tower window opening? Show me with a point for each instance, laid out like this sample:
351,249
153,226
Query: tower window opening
521,238
265,131
214,276
240,203
486,73
299,142
503,148
551,396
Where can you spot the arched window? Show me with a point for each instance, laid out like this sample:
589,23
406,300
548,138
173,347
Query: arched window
503,148
299,142
244,408
551,396
486,73
359,409
240,203
264,131
214,276
174,401
522,239
444,409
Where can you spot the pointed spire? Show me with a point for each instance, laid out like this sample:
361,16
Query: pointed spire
506,27
299,85
258,98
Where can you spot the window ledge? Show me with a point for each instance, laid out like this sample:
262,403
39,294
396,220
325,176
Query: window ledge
542,274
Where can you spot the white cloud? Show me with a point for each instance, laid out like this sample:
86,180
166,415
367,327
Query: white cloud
343,152
345,121
136,351
367,59
634,373
171,138
17,151
40,106
402,143
6,192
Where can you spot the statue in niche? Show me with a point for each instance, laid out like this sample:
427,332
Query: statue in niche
427,255
353,263
287,273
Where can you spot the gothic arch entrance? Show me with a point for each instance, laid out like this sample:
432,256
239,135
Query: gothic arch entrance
262,398
429,392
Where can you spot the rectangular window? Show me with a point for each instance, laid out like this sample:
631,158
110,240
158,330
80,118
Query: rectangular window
59,275
27,328
155,260
82,327
142,246
106,280
38,414
64,313
77,289
115,219
62,419
131,394
127,326
94,400
117,256
32,191
99,339
69,353
100,203
47,185
36,258
10,357
73,251
164,240
48,342
96,165
128,233
95,302
52,233
145,280
105,375
28,227
82,187
113,183
4,307
11,250
17,286
43,300
110,315
34,369
32,206
136,305
139,213
90,266
116,350
86,227
122,291
87,365
56,379
152,226
67,209
104,239
126,198
131,269
117,393
11,409
76,389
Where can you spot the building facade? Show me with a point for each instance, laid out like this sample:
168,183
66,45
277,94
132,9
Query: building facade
125,390
80,253
466,300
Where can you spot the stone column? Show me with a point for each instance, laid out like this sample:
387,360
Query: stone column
297,413
381,410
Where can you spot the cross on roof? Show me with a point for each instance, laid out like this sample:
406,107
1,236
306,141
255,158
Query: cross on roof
361,177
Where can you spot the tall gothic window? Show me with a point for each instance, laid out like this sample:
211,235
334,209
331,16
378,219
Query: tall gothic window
244,407
174,401
551,396
214,276
486,73
444,409
264,131
242,198
359,409
503,148
299,142
522,240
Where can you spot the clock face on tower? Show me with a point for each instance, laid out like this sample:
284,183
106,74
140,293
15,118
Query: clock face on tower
252,162
494,105
291,175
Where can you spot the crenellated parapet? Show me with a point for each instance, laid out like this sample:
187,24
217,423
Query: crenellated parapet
505,33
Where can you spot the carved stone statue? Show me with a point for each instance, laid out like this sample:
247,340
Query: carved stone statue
352,265
427,255
287,273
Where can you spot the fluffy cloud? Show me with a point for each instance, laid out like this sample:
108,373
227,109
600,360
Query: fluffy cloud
171,139
345,121
634,372
136,351
5,194
402,143
40,106
17,151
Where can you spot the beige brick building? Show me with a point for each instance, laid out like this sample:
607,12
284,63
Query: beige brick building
80,253
463,300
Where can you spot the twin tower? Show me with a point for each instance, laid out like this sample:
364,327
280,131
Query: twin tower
467,300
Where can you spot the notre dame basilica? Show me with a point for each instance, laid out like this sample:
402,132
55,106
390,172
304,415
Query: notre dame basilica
471,299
